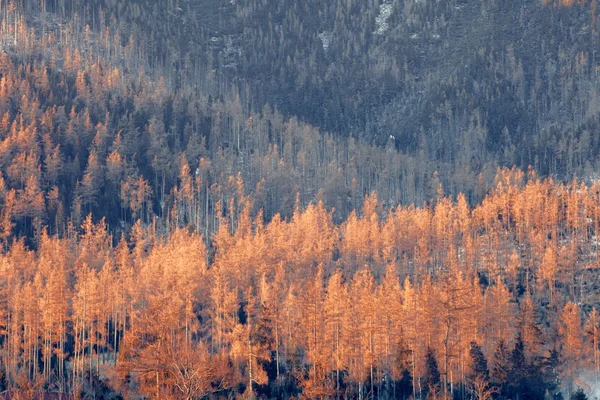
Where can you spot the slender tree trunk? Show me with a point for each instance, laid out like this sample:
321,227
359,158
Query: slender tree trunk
371,361
249,366
277,348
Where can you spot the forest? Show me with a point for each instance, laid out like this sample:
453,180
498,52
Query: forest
299,200
443,301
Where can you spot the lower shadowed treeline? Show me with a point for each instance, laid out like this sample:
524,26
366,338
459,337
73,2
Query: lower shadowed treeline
444,301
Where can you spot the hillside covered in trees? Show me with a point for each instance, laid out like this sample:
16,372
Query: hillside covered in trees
303,199
441,301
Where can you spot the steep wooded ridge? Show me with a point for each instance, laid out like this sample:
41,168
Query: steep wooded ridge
205,199
466,85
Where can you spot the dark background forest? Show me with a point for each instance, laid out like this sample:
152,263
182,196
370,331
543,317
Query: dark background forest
333,172
451,90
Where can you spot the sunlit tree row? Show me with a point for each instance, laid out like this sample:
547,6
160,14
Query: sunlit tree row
441,301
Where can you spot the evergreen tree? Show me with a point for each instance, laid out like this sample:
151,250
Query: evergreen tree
501,365
519,369
478,362
431,378
404,385
579,394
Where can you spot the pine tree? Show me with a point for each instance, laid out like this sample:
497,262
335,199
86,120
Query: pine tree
335,307
431,378
403,384
501,366
571,341
478,362
592,332
579,394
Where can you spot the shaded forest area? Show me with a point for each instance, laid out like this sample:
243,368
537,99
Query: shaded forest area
253,199
468,84
90,131
102,108
462,86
